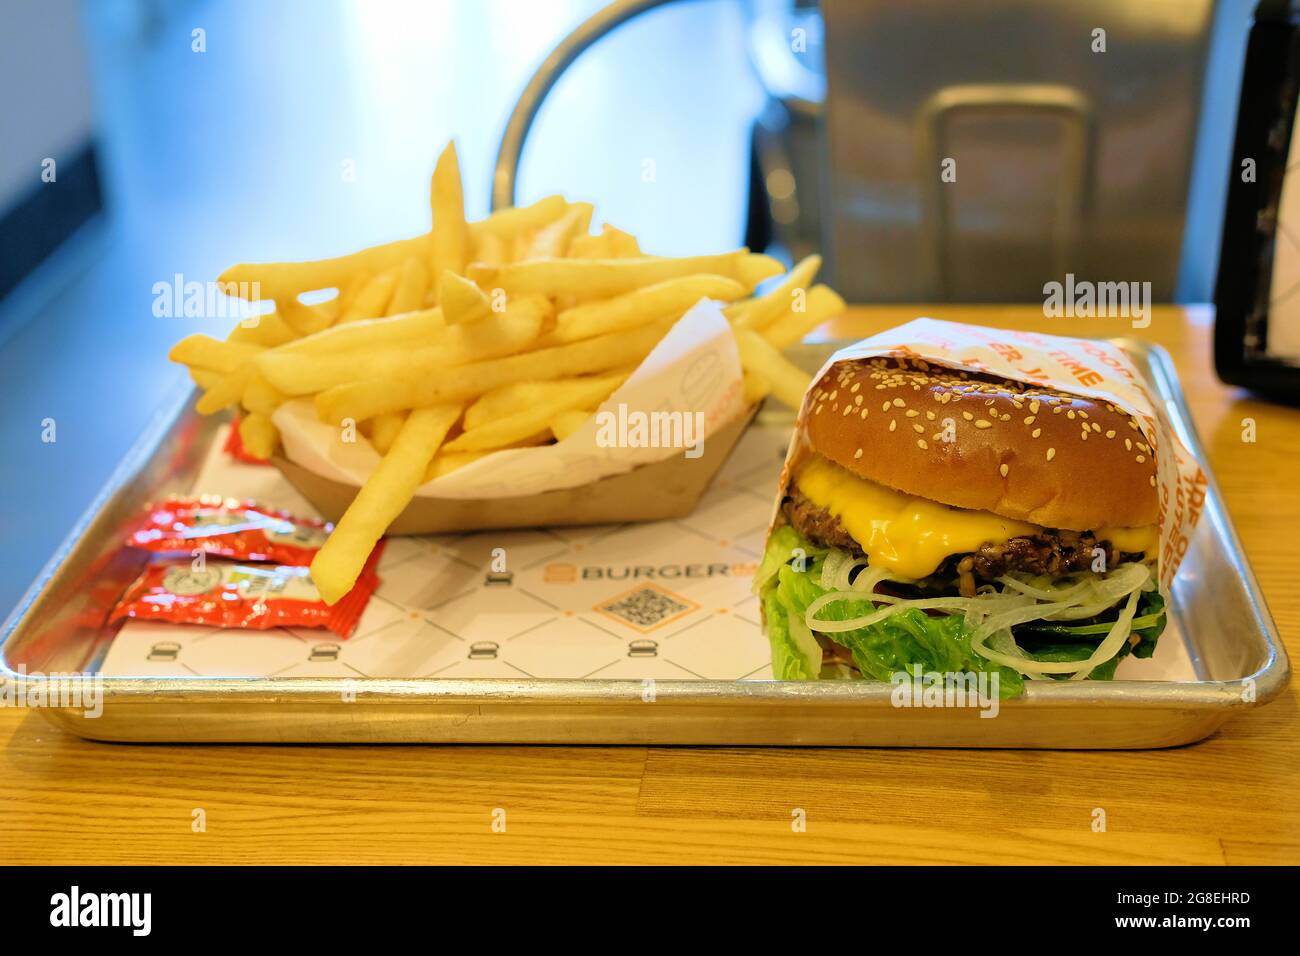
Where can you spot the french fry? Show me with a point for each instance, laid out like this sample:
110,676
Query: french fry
823,303
606,277
362,400
398,331
412,283
269,329
259,435
591,247
566,423
382,498
384,429
282,280
622,244
372,301
663,299
491,249
295,373
736,310
780,301
529,419
204,378
444,463
612,243
450,239
228,391
260,396
207,352
339,305
787,381
753,269
513,222
305,319
552,240
508,399
755,388
462,300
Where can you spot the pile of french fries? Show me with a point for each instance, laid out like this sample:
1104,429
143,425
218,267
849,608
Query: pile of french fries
475,337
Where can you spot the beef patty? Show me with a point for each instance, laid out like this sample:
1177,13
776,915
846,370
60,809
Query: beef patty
1051,551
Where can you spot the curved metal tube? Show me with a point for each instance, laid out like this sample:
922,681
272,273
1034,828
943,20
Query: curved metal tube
561,58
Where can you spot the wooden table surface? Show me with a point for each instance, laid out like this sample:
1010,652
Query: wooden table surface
1230,799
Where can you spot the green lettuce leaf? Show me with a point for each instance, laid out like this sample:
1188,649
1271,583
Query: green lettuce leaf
897,644
1047,641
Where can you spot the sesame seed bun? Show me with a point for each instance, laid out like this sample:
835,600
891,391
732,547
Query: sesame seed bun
977,441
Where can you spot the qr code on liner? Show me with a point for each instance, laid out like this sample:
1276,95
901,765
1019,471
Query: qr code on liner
646,607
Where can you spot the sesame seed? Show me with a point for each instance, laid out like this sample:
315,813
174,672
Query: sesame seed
919,429
885,407
857,399
920,443
864,413
1051,453
1006,418
892,424
1069,414
1110,433
856,386
1096,427
929,416
1030,419
1035,433
847,410
1033,408
1153,481
834,393
911,413
858,453
1083,414
899,403
1004,469
983,424
968,416
1141,458
1128,444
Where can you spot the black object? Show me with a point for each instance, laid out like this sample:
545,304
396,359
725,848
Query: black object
50,212
1265,122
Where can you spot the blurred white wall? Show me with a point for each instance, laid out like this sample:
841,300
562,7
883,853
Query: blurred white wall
45,98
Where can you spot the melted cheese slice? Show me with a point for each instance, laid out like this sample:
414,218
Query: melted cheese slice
910,535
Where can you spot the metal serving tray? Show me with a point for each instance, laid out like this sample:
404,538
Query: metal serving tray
1217,613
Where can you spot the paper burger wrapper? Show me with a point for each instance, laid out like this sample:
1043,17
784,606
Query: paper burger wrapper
1086,367
609,470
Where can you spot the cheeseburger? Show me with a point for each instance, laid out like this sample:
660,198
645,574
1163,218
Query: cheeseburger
960,522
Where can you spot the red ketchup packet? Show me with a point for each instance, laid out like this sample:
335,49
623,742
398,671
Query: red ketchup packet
257,597
229,528
234,447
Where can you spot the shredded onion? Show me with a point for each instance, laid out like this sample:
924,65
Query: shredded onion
991,614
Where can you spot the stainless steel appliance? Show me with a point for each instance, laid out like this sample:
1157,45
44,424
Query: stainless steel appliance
958,150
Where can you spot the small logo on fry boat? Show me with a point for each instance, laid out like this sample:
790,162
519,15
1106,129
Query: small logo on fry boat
629,428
